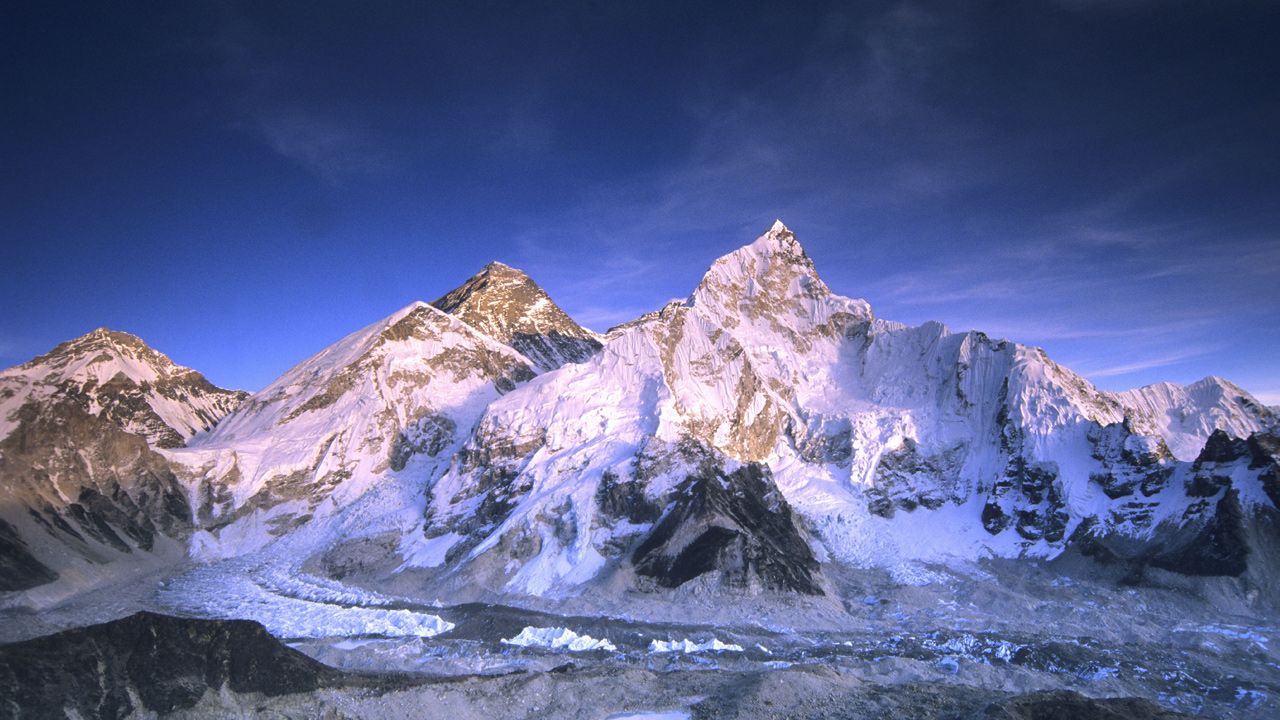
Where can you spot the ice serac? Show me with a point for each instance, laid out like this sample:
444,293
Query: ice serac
506,305
400,393
83,484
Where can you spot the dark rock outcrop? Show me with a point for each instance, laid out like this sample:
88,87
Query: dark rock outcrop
1220,548
737,524
1068,705
19,569
164,663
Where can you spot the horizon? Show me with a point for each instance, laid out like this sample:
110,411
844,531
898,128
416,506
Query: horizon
242,186
428,303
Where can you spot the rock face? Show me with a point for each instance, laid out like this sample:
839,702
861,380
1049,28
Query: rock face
81,479
148,662
19,569
506,305
736,524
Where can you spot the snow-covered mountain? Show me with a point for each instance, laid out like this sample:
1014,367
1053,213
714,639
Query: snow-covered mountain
890,443
332,427
742,439
82,484
116,377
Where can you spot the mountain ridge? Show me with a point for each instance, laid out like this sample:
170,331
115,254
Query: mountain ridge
445,442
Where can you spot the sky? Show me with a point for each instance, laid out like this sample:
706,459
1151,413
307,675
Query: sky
241,184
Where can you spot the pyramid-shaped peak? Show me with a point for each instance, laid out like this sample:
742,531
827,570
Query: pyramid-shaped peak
502,269
508,306
495,285
99,345
778,240
775,257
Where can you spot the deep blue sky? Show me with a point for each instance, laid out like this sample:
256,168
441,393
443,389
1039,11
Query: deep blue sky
243,183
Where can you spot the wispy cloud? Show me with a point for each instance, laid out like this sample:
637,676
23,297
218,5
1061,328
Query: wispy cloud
1148,363
333,149
268,82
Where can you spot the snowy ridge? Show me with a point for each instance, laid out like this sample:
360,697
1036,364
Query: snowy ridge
1185,416
409,386
898,444
116,376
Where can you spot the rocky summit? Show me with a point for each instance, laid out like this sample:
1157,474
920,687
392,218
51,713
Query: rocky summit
763,476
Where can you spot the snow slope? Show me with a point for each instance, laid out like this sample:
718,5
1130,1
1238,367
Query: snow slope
334,426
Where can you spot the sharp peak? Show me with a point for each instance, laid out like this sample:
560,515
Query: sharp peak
498,268
103,336
777,241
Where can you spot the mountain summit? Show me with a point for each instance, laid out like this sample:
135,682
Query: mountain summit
505,304
116,376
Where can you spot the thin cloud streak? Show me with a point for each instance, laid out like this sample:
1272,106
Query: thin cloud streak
1148,363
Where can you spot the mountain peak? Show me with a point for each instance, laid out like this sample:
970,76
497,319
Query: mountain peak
774,266
118,377
98,347
508,306
500,269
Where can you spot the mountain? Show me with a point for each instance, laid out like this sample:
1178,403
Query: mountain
746,439
506,305
116,377
405,389
865,440
83,482
149,662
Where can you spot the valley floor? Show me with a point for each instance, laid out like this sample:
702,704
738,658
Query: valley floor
970,637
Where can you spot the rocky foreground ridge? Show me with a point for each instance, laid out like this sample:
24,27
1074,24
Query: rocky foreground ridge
746,440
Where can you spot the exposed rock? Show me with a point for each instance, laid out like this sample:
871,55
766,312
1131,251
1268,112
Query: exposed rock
1068,705
1222,448
19,569
1220,548
617,499
505,304
148,661
907,479
89,484
734,523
